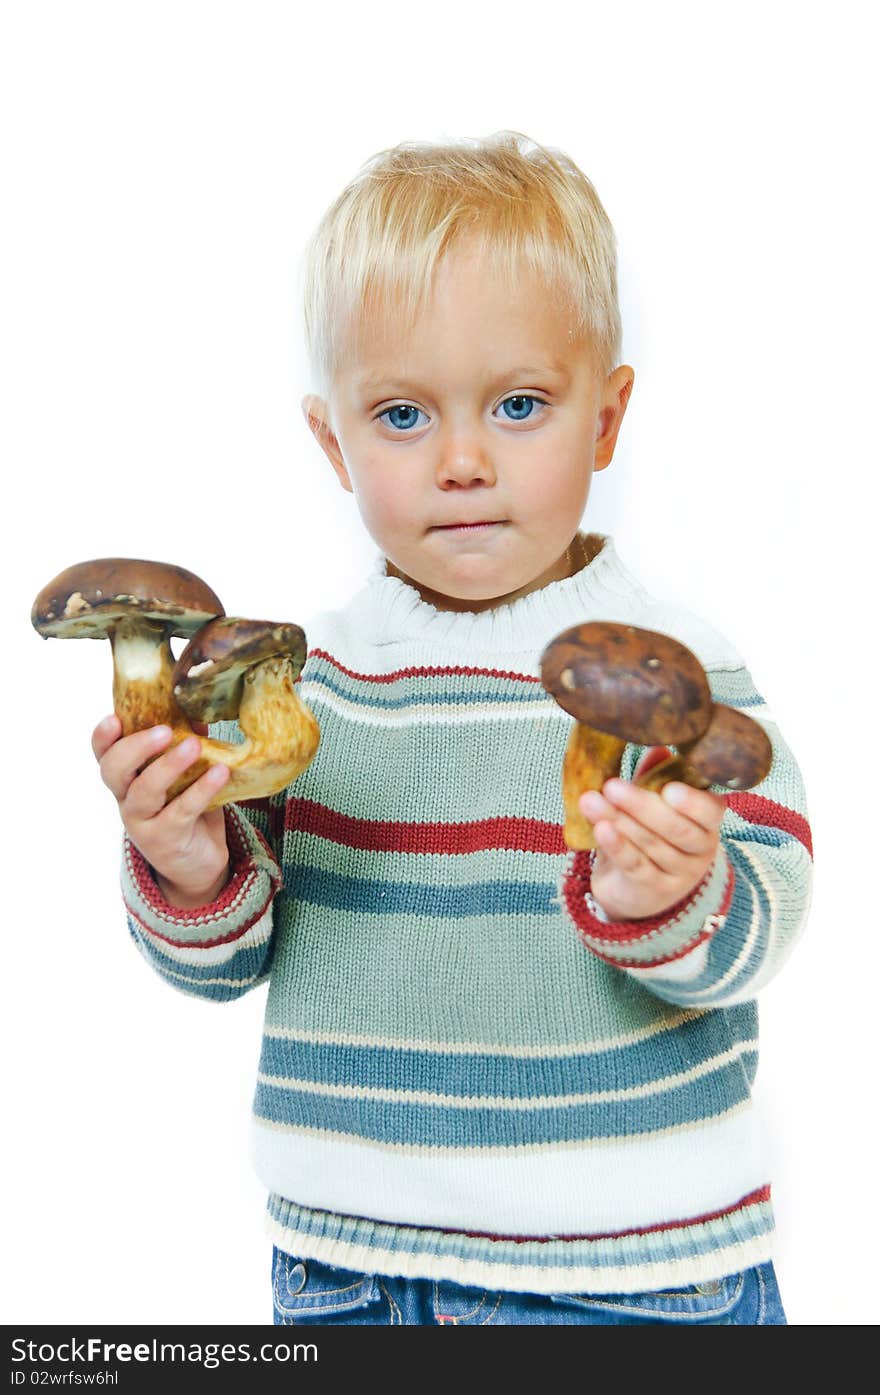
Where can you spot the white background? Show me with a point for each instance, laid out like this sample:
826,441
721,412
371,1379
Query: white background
162,166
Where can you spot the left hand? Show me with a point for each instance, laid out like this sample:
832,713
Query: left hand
651,851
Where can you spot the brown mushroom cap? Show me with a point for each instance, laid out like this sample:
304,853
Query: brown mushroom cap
208,677
734,751
638,685
88,599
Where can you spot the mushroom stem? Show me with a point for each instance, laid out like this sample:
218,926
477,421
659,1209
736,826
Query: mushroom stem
269,757
142,688
662,772
591,758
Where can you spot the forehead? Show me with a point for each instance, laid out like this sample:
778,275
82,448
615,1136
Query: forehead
480,314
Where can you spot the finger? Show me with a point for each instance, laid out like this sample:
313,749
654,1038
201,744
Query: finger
602,814
147,793
192,802
653,835
700,806
620,850
595,806
659,815
106,732
127,756
661,855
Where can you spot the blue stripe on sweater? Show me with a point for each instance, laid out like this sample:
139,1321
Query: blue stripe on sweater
243,968
743,906
764,833
381,896
372,696
417,689
445,1126
750,700
320,887
478,1073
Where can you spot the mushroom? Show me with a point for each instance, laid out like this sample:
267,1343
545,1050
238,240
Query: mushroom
733,751
139,606
621,684
625,684
247,669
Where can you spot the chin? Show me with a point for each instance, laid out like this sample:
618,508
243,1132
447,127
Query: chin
478,589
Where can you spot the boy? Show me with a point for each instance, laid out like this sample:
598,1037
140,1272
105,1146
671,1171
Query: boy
501,1082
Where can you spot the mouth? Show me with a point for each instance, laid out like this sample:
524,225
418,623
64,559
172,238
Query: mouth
470,527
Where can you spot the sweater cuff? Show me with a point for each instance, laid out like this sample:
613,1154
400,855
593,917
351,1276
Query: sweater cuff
254,879
652,940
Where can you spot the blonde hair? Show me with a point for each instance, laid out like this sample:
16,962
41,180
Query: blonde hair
380,242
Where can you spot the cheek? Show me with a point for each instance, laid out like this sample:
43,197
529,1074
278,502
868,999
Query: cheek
557,479
385,493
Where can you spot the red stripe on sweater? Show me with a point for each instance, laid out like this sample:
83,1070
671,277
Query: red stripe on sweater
200,944
421,671
652,963
518,834
379,835
754,808
755,1198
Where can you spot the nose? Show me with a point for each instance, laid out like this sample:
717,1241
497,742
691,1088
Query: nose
464,458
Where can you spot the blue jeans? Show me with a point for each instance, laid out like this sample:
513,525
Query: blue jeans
305,1291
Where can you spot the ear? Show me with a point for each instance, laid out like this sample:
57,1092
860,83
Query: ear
317,415
615,396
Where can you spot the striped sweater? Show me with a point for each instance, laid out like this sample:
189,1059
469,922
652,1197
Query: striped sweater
467,1071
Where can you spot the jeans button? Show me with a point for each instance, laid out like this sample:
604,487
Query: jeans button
296,1278
712,1286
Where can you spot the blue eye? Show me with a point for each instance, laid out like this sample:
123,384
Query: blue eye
524,399
403,416
402,409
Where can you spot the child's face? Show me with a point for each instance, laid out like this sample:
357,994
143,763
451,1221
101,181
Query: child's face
485,411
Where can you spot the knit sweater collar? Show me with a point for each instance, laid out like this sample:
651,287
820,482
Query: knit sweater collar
388,610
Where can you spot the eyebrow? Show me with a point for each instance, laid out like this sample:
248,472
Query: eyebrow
375,380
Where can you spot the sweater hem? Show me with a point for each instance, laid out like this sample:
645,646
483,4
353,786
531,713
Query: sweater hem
695,1252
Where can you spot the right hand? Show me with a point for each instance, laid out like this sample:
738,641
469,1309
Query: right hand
185,845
